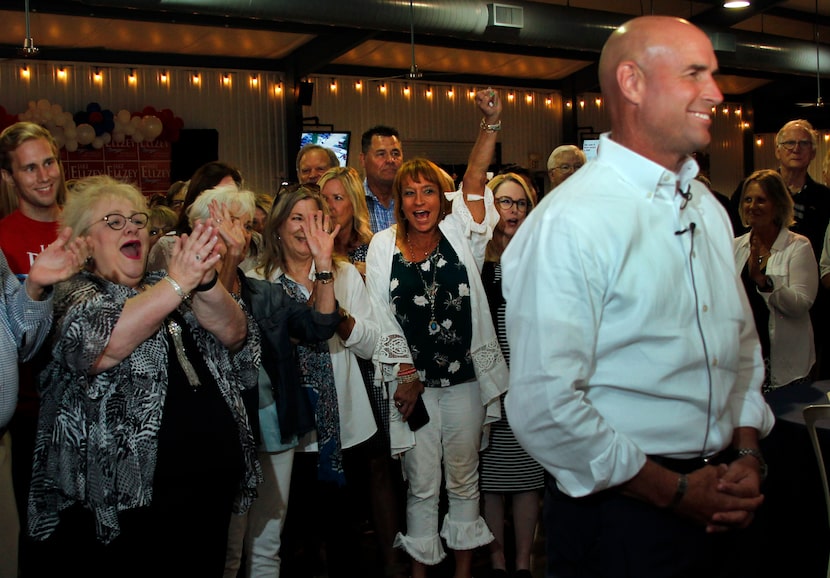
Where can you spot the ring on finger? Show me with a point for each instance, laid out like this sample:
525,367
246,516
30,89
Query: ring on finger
398,403
198,257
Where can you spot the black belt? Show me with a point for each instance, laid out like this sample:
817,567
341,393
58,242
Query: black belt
690,465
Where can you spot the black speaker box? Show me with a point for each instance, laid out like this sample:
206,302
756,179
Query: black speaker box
305,94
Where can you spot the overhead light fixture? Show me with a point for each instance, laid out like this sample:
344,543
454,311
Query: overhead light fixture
226,79
163,76
254,80
736,4
29,48
24,72
96,75
131,77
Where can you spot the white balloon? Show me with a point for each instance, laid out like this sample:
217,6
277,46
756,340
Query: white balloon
57,110
138,136
86,134
118,136
97,142
106,137
70,132
71,145
44,105
60,140
123,116
151,126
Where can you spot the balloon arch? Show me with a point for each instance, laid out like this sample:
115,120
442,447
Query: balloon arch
95,126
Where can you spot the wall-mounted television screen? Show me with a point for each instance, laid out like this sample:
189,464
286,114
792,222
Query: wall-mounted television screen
336,141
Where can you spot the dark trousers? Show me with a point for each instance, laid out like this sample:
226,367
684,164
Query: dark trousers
184,532
322,524
610,535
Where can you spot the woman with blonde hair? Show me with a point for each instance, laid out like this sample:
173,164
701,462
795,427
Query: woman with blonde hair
780,275
346,198
143,395
507,472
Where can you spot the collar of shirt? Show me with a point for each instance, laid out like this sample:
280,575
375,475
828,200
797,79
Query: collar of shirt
646,175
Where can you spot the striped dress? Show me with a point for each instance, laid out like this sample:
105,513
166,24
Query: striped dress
504,466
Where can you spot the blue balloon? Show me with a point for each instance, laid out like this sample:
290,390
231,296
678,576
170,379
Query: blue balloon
93,107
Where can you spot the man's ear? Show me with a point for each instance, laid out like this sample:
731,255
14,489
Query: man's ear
631,80
7,176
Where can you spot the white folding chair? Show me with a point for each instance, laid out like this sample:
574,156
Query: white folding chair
812,415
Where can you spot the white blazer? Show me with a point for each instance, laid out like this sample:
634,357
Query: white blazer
793,269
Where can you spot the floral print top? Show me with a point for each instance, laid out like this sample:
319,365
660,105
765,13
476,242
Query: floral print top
431,302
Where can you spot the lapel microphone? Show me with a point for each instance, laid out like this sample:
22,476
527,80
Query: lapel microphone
690,228
687,196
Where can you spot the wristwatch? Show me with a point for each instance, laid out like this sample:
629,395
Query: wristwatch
741,452
324,277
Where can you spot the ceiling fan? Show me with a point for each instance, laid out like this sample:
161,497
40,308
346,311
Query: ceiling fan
414,72
819,102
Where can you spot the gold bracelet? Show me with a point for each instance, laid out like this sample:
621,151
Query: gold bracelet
490,128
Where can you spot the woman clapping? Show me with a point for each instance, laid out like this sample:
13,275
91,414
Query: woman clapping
143,442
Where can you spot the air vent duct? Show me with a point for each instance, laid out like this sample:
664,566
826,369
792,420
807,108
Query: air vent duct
505,16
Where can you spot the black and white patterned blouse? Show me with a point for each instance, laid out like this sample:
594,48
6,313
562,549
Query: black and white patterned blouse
97,439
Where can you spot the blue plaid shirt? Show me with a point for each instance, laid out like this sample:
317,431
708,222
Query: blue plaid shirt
380,217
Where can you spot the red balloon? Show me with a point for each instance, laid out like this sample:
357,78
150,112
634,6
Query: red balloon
95,117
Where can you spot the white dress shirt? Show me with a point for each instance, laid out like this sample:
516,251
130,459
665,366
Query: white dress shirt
629,328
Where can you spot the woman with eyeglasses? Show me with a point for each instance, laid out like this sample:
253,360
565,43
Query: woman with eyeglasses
438,354
507,472
143,443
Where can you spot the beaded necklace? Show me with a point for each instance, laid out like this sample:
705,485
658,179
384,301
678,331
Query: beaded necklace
431,290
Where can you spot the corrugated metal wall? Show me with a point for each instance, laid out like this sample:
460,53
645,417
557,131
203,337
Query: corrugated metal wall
250,118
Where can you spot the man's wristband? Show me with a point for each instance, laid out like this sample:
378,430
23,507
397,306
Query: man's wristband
682,486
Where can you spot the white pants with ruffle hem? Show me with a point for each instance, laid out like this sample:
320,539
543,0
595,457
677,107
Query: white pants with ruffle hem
452,437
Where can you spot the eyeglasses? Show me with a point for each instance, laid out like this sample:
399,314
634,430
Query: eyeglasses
507,204
566,168
789,145
117,221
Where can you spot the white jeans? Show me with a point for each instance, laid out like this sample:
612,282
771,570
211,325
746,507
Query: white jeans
452,436
259,529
